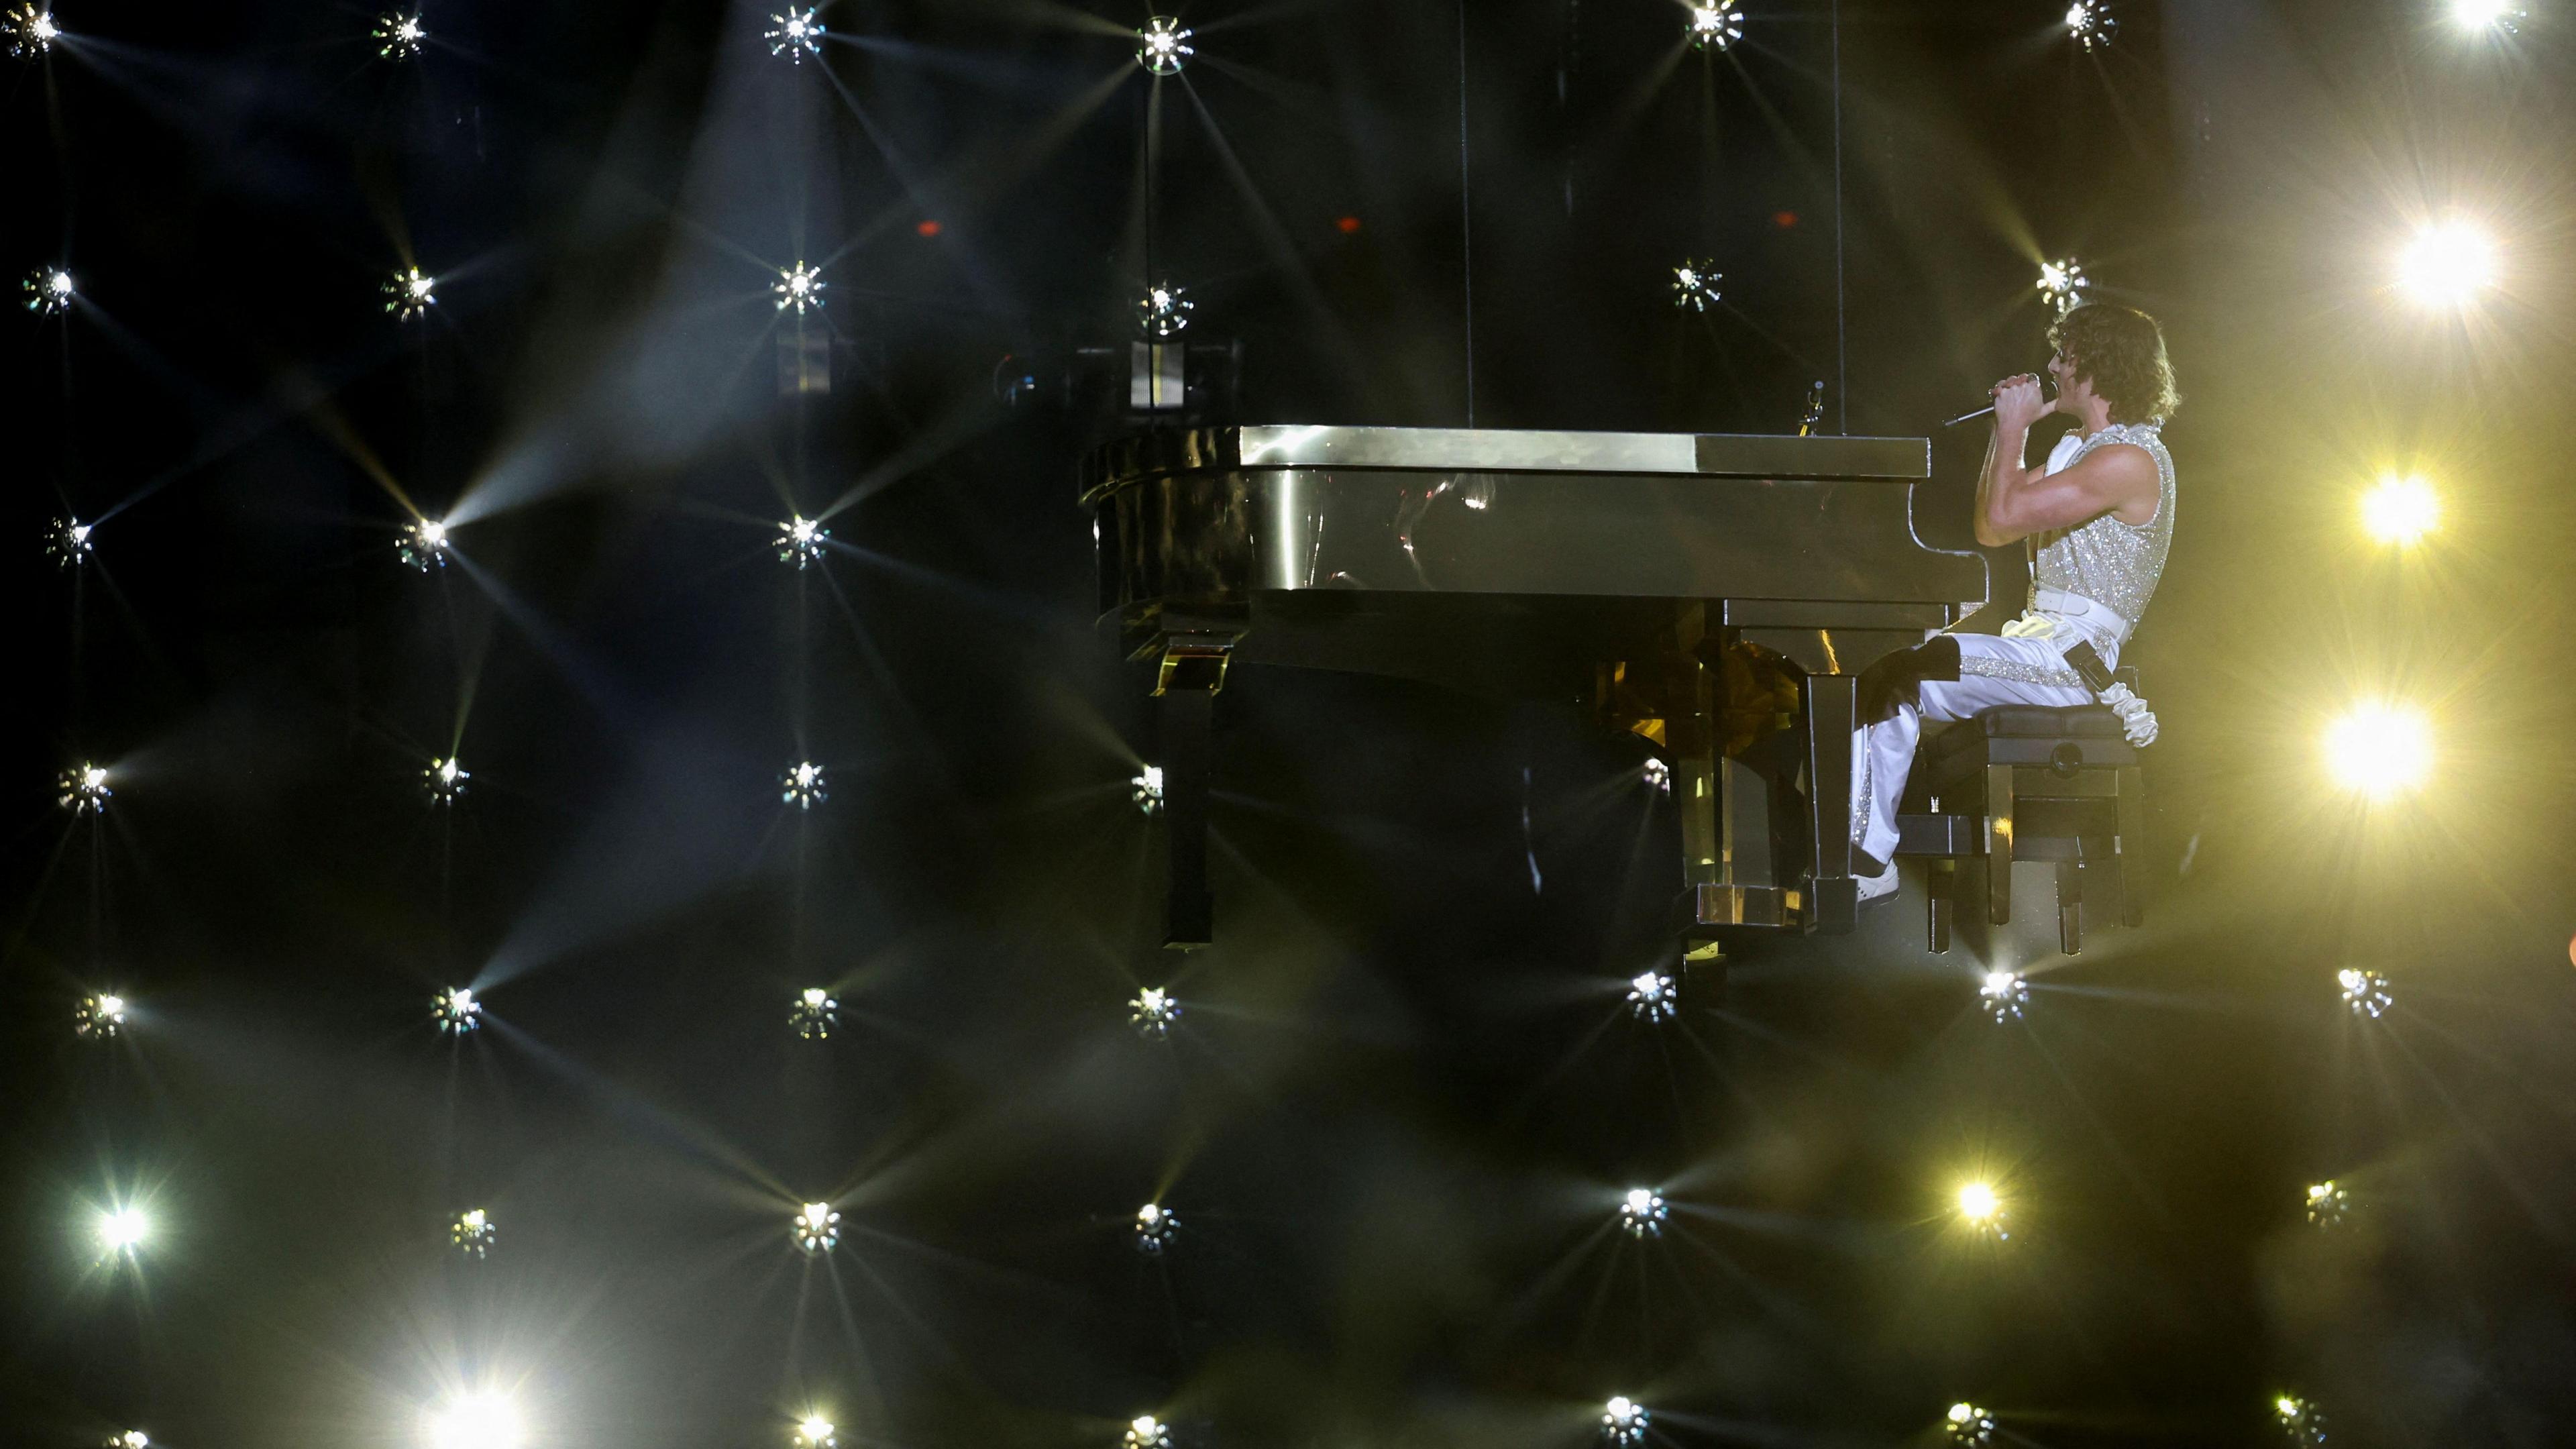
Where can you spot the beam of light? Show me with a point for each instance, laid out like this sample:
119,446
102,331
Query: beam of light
50,291
814,1432
1164,311
409,293
32,32
1654,997
424,545
1968,1424
445,780
476,1421
802,786
1146,1432
2092,23
1624,1422
800,287
456,1011
1154,1228
2004,994
473,1232
2365,993
1698,285
1658,776
2327,1203
2301,1420
1981,1208
795,35
1163,46
1642,1213
815,1014
2400,511
1714,24
816,1228
400,37
2379,749
1152,1013
2486,15
84,789
801,541
2447,264
69,543
122,1231
99,1017
2062,284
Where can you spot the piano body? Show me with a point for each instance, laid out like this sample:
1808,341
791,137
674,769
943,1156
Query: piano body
1633,571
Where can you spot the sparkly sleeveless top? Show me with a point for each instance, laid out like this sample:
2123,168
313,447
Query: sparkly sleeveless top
2114,564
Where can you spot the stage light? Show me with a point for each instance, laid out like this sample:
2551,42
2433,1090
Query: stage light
32,32
1147,1432
2401,510
1154,1228
1163,46
1624,1421
815,1432
1153,1012
400,37
795,35
84,789
1658,776
802,786
1642,1213
1969,1424
69,543
2062,284
456,1011
2004,993
473,1232
2327,1202
49,291
816,1228
130,1439
1696,285
409,293
2379,749
424,545
1164,311
1147,790
477,1421
101,1016
2091,22
801,540
2299,1419
1715,24
445,780
122,1230
815,1013
1981,1208
1654,996
800,287
2365,992
2485,15
2447,264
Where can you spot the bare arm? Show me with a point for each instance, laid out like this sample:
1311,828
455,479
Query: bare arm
2015,502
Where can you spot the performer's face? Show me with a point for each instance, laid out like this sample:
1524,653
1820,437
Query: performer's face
2070,389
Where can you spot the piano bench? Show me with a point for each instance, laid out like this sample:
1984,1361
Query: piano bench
2027,782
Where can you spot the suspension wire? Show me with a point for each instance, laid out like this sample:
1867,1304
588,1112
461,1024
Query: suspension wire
1466,216
1842,313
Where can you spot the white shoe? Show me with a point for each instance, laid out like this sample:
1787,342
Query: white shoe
1880,886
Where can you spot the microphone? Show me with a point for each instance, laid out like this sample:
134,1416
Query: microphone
1983,412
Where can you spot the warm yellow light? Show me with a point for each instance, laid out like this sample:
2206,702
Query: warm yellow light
814,1431
2479,14
2401,510
2447,264
476,1421
2380,749
1978,1203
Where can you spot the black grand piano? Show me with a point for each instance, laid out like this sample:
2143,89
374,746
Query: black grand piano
1717,594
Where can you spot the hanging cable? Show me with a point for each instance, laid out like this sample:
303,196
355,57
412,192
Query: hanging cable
1466,216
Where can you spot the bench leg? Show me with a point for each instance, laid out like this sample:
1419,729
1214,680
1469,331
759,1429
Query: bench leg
1939,891
2132,845
1999,843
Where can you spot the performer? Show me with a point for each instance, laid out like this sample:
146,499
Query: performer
2099,518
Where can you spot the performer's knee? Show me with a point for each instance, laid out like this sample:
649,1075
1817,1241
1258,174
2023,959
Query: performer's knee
1898,678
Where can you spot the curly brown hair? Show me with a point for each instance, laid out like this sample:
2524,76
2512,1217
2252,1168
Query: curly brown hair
2121,351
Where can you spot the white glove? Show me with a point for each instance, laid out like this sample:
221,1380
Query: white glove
2136,720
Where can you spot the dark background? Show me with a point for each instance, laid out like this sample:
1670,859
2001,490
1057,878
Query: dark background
1405,1097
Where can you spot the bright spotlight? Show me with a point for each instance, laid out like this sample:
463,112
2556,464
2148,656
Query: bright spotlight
2485,15
801,540
2379,749
1969,1424
795,35
49,291
477,1421
814,1432
2062,284
2004,994
2365,992
800,287
473,1232
2447,264
816,1228
101,1016
1654,996
1657,775
456,1011
130,1439
1154,1228
424,545
69,543
1164,311
84,789
1624,1421
2327,1203
2091,23
1147,790
1981,1208
1163,46
32,32
2401,510
802,786
410,292
2301,1420
400,37
445,780
1147,1432
814,1014
1714,24
1642,1213
122,1230
1153,1012
1698,285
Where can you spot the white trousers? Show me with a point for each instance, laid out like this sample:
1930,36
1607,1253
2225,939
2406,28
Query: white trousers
1992,671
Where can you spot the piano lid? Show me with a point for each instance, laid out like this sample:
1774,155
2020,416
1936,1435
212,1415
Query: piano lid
1496,450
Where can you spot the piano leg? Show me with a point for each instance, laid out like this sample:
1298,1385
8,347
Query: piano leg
1187,688
1832,708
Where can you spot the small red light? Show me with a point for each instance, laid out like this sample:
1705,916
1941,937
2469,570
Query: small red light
928,228
1348,224
1784,219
